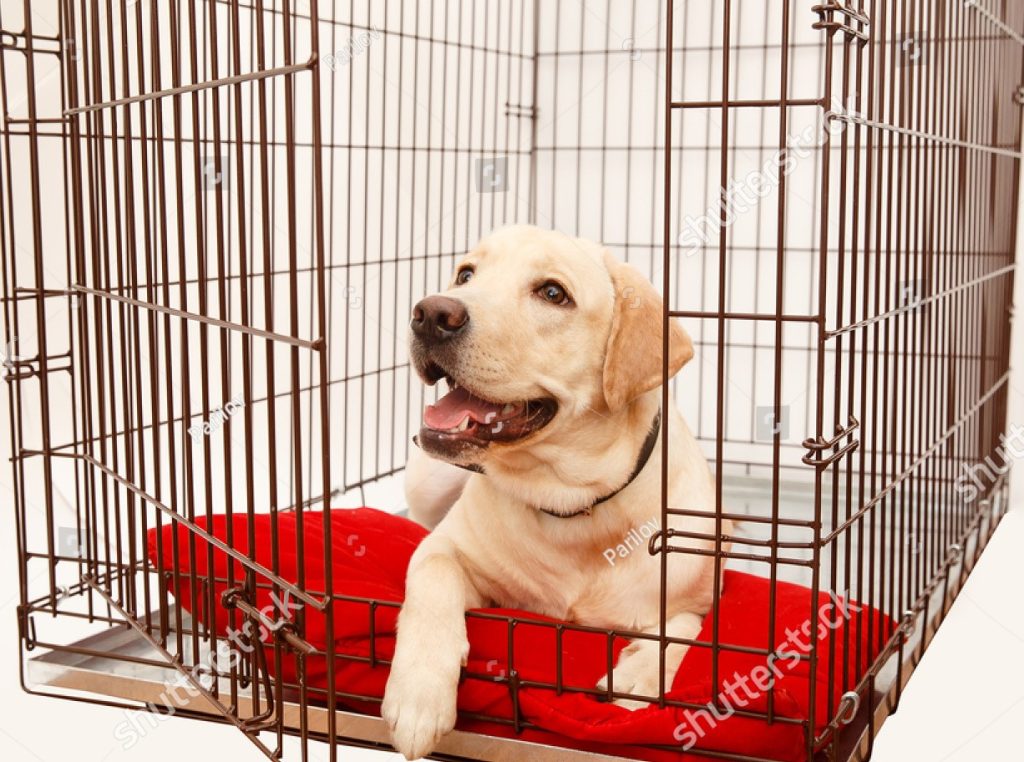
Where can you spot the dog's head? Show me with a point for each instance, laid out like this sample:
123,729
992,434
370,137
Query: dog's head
537,336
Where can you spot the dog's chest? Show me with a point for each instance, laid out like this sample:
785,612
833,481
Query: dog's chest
620,596
584,589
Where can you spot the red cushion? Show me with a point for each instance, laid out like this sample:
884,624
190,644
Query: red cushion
370,553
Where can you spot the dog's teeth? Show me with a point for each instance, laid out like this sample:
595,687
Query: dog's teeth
461,427
508,409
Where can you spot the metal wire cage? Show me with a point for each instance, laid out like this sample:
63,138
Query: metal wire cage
216,216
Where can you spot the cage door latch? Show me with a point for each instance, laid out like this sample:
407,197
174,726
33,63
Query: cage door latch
835,16
236,597
520,110
835,448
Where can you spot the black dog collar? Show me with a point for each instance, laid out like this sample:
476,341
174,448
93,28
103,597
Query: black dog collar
641,461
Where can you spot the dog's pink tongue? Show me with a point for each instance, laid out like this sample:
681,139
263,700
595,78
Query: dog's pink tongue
456,405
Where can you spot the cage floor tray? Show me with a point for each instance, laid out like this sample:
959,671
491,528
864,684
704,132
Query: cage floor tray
122,676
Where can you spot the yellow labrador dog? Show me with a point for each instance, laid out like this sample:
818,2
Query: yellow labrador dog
552,354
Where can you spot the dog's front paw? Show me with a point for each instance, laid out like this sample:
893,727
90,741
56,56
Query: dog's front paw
636,673
419,708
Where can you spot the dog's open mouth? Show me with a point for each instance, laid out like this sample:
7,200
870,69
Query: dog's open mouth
463,417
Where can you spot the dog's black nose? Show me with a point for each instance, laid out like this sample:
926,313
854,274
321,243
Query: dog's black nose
439,318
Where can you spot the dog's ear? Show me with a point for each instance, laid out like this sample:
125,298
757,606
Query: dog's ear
633,357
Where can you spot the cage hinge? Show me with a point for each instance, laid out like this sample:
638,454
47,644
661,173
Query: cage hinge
817,448
1018,95
835,16
237,597
521,110
26,627
40,43
23,368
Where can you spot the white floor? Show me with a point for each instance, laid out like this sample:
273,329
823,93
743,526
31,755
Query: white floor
965,702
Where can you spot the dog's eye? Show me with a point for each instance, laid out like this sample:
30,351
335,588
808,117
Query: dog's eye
465,274
554,293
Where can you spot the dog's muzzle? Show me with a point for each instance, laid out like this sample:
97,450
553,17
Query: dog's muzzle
438,319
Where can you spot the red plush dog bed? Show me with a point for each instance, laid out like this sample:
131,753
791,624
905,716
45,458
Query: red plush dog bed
371,551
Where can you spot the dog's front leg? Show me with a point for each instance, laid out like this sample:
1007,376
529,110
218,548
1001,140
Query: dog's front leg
431,648
431,487
637,669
